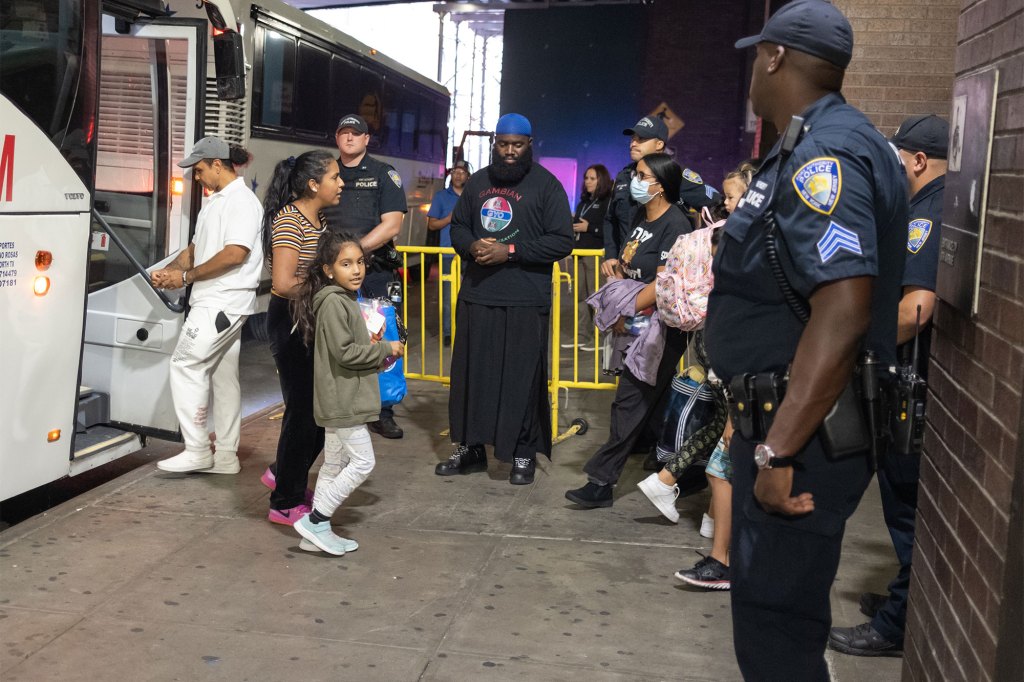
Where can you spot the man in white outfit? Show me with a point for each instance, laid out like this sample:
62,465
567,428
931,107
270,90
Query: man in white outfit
222,265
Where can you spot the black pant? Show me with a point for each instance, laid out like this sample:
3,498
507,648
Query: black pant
897,482
782,568
375,285
636,403
301,439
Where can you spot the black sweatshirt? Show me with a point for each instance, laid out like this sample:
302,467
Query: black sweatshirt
534,216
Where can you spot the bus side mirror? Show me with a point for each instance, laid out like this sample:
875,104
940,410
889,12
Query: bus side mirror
230,65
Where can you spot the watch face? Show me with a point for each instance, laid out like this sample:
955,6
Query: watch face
761,456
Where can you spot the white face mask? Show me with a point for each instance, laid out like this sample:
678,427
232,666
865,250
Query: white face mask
638,189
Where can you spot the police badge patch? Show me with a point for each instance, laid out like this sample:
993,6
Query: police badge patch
917,234
692,177
819,182
395,177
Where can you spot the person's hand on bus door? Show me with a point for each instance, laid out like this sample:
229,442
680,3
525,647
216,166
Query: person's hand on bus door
166,278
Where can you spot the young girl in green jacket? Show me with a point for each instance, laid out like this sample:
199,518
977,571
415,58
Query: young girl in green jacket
346,394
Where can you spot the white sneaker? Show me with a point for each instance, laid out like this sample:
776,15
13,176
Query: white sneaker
321,535
707,527
187,461
225,462
661,496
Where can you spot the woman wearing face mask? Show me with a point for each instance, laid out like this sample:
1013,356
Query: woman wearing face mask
655,186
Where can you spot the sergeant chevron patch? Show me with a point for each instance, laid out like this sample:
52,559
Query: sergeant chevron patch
838,238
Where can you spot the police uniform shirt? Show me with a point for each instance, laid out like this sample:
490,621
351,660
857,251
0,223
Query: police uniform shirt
532,214
922,264
372,188
841,208
648,244
620,214
694,194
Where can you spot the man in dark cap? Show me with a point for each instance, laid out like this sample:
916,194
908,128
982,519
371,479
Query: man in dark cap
372,206
807,277
922,143
511,223
647,136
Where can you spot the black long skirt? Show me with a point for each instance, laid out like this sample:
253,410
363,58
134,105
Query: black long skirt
499,375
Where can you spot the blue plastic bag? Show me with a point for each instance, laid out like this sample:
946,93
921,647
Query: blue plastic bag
392,375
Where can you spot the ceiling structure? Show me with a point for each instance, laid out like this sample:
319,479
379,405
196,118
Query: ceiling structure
467,7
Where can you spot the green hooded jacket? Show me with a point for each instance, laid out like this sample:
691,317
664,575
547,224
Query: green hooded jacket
346,392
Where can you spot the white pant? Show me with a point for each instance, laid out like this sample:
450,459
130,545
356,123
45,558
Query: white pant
203,359
348,460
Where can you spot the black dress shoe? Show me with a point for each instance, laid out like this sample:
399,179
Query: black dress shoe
387,428
465,460
522,471
591,496
862,640
871,603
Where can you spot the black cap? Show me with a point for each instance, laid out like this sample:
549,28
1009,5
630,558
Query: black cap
354,121
816,27
464,165
928,134
649,127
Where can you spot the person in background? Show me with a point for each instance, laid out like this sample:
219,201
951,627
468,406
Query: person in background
439,217
299,191
587,223
222,265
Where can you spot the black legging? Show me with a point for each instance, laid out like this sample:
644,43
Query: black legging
301,439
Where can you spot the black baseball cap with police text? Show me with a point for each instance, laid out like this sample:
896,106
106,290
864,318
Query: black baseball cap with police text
928,134
816,27
355,122
649,127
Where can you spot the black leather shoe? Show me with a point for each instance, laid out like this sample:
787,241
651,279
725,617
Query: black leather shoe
387,428
591,496
522,471
465,460
862,640
871,603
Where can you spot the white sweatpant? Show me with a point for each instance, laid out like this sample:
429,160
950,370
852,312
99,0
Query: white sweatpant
348,460
206,361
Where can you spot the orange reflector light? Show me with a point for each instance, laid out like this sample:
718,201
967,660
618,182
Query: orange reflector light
41,285
53,436
177,186
424,208
219,31
43,260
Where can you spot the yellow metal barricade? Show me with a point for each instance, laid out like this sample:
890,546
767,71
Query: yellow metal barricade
427,360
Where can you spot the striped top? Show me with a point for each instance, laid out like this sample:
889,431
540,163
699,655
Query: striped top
292,230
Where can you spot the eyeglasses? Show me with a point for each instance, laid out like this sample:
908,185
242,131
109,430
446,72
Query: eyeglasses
644,177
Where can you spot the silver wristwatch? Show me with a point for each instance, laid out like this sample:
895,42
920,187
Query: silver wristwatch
765,458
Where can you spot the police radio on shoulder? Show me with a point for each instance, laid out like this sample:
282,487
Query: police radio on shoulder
765,458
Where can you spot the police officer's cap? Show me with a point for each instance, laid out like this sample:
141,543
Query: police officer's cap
649,128
816,27
928,134
355,122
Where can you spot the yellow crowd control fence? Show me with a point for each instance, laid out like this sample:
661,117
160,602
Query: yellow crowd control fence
577,365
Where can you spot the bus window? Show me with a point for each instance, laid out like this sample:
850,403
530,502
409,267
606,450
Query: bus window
311,76
371,105
275,80
139,189
345,93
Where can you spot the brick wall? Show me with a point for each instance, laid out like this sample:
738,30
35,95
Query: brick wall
957,626
902,58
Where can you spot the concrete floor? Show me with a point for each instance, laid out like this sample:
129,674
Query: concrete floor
154,576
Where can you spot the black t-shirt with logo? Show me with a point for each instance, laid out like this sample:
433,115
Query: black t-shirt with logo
647,246
532,214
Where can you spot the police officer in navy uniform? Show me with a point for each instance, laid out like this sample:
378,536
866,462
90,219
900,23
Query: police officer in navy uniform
648,135
831,197
372,206
922,142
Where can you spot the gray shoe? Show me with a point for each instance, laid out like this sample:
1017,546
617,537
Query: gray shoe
862,640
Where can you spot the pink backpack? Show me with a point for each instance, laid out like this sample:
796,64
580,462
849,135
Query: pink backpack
682,289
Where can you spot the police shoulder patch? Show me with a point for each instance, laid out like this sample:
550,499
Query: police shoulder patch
692,176
395,177
917,234
819,183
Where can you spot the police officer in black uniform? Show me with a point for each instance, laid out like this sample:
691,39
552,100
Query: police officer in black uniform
371,206
819,236
649,135
923,142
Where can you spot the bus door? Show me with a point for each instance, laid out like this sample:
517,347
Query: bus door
151,96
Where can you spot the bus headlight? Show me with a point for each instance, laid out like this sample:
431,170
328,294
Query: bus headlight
41,285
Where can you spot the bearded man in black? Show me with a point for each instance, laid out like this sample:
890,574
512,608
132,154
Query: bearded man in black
512,222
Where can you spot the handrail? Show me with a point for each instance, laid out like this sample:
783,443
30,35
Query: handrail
178,307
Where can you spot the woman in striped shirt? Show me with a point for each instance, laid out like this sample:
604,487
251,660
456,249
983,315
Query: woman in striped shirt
293,222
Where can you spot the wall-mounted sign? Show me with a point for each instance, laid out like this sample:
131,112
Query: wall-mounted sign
672,122
963,210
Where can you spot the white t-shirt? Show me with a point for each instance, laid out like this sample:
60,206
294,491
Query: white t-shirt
231,216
